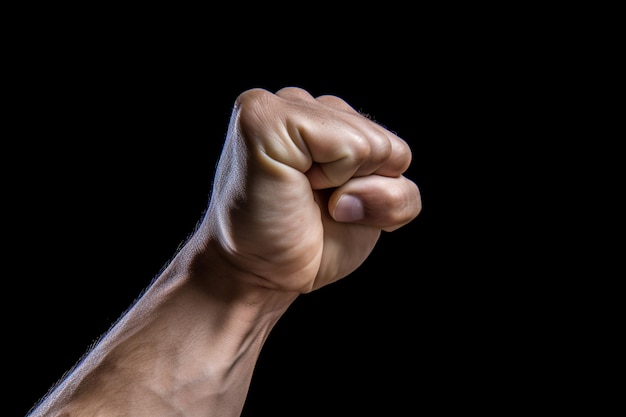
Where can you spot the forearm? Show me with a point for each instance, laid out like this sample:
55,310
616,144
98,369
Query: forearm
184,349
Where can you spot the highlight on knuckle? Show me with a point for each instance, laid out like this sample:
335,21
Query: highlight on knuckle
360,148
253,108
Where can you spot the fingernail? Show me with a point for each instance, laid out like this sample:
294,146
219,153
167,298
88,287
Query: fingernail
348,209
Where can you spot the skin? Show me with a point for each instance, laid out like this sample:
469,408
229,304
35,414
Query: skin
303,189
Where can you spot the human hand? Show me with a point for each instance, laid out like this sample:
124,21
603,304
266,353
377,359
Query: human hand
304,187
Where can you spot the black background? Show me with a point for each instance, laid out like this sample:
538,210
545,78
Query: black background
116,133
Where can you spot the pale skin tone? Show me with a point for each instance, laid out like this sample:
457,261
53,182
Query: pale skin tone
282,221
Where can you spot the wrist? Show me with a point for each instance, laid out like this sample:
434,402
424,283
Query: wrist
214,273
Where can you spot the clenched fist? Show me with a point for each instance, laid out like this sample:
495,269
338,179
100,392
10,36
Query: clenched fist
304,187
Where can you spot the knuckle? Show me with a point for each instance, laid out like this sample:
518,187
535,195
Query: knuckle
253,109
360,148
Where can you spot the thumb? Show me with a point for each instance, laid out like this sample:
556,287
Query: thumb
385,202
